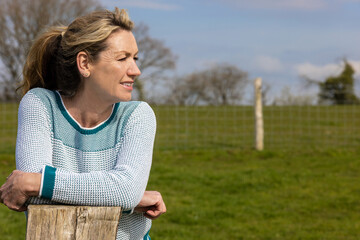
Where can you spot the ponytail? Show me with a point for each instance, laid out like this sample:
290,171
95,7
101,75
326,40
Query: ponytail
40,66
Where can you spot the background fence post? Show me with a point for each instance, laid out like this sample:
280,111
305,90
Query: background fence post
259,124
61,222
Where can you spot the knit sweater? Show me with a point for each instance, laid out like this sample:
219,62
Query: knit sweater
107,165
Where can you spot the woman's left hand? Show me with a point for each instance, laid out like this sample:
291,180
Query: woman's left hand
151,205
17,189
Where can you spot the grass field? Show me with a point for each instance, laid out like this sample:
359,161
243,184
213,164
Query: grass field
216,191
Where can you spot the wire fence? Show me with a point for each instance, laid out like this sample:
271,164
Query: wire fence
8,123
209,127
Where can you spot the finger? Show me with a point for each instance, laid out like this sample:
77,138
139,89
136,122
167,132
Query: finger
155,213
144,209
22,209
160,206
16,206
150,216
141,209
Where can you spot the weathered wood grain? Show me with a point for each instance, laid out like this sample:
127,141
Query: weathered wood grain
60,222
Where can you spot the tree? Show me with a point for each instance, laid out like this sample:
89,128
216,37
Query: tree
185,90
154,59
221,84
337,90
20,22
286,98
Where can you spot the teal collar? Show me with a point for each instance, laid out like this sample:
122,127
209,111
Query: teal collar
73,123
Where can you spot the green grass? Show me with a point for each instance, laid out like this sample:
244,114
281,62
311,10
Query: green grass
220,188
250,195
231,194
12,224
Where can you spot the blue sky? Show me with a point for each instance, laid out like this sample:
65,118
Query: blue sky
278,40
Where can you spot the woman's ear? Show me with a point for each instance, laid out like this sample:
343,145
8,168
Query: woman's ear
83,63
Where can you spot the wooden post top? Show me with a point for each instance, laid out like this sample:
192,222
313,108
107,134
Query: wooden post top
63,222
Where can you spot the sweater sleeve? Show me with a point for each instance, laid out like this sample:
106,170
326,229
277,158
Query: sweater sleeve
124,185
33,142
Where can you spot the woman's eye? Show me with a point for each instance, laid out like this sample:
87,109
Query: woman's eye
122,59
136,58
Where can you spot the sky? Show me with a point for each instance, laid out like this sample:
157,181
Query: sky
277,40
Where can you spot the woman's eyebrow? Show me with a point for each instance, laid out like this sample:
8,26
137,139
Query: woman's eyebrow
125,52
119,52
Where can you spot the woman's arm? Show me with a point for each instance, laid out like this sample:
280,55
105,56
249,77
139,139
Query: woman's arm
20,185
33,150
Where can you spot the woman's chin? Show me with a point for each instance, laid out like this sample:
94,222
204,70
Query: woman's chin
125,99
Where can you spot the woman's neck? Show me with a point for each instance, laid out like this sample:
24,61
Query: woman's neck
87,110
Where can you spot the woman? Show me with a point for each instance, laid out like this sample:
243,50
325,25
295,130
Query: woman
79,140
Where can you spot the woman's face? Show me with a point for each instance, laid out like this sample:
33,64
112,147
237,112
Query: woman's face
112,75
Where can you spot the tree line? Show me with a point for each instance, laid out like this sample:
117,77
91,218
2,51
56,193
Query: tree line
220,84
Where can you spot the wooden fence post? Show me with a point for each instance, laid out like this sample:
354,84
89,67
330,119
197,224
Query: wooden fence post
61,222
259,124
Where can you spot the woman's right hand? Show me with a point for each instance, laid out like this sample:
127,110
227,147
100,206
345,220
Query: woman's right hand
17,189
151,205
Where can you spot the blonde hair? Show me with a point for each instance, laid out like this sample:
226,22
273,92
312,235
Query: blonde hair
51,61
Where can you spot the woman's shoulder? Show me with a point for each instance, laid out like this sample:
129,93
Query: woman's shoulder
135,108
135,111
41,93
39,98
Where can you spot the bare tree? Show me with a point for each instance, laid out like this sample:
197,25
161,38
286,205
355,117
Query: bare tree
286,98
221,84
20,22
185,90
154,59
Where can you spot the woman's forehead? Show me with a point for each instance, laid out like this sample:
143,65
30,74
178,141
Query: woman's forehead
122,41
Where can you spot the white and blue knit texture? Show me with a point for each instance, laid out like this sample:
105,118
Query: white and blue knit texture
105,166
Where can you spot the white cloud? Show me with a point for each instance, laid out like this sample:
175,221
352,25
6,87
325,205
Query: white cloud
356,66
322,72
156,5
268,64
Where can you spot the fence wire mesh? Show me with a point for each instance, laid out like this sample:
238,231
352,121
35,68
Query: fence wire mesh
209,127
8,123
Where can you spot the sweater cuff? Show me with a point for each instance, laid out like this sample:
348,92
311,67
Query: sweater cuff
42,179
128,212
47,182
